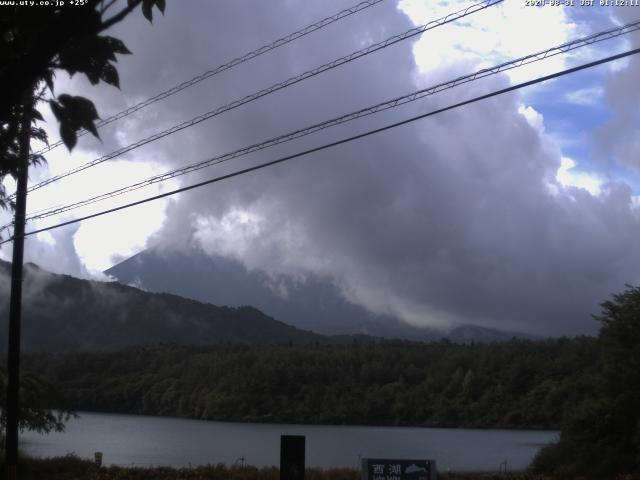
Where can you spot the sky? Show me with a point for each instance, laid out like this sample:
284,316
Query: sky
520,212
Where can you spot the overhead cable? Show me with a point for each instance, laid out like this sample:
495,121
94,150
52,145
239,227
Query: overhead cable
274,88
389,104
339,142
226,66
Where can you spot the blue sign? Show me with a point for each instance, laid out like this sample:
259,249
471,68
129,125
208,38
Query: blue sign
400,469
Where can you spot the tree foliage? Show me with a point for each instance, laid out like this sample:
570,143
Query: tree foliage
36,395
601,436
35,43
511,384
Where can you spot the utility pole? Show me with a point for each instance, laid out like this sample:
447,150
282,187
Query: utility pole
15,306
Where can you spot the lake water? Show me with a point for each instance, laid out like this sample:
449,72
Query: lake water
146,441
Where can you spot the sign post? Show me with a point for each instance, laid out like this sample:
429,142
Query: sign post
292,457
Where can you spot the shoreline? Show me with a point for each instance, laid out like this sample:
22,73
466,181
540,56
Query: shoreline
322,424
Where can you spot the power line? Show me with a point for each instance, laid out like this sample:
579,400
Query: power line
273,88
226,66
608,34
393,103
339,142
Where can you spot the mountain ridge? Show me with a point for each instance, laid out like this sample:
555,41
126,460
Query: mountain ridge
315,304
64,313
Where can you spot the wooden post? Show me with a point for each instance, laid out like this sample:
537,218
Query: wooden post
15,306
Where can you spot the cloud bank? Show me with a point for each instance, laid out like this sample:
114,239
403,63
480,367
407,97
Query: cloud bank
457,219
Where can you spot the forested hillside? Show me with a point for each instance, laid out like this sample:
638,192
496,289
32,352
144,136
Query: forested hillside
511,384
63,313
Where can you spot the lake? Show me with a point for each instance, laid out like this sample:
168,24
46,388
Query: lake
151,441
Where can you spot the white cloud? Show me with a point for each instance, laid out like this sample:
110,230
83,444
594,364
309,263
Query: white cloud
589,97
569,176
534,118
505,31
232,235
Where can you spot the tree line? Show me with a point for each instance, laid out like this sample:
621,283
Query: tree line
516,384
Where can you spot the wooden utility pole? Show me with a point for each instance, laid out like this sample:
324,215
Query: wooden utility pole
15,306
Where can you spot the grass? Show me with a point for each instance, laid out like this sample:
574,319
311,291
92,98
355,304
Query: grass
73,468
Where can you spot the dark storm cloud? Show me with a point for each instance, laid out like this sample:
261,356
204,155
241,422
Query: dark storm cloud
456,219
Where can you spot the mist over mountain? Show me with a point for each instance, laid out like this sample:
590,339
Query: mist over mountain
310,303
63,313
